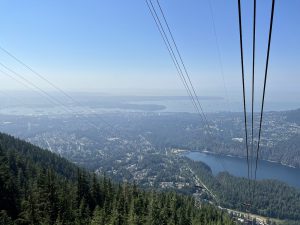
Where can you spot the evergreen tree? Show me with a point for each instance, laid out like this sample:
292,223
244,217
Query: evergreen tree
98,217
40,188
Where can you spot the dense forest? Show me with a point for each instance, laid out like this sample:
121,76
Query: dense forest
271,198
39,187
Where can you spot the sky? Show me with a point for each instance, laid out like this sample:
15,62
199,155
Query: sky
114,45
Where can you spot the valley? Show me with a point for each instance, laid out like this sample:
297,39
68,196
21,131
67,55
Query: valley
146,148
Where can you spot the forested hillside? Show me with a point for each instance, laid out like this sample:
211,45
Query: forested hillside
271,198
38,187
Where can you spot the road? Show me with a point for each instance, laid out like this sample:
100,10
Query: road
260,219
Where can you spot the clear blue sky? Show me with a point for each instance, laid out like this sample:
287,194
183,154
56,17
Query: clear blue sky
112,44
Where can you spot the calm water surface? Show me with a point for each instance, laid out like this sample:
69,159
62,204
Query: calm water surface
238,167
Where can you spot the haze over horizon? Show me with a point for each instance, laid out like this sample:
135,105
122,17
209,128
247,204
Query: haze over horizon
114,47
150,112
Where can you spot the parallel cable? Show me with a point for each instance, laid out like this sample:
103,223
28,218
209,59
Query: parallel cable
219,52
172,54
181,60
163,34
37,73
28,84
182,63
253,82
169,46
15,79
243,81
264,88
51,98
175,59
252,97
219,60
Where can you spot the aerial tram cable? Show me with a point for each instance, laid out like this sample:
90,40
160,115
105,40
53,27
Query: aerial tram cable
19,81
253,90
30,85
163,34
220,61
171,52
264,88
168,45
37,74
51,98
186,72
174,58
183,64
184,79
243,82
219,53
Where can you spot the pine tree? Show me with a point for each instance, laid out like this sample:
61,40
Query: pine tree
51,198
83,213
98,217
132,218
44,189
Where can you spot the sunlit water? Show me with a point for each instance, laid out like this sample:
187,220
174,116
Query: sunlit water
238,167
166,105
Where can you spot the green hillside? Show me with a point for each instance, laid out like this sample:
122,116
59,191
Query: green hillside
39,187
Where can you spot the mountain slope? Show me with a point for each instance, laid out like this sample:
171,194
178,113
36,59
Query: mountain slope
38,187
271,198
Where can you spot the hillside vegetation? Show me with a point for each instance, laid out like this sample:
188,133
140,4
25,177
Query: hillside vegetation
271,198
39,187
